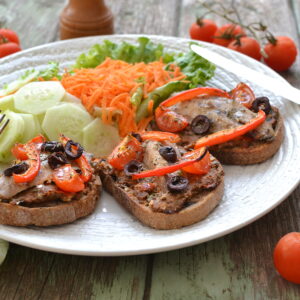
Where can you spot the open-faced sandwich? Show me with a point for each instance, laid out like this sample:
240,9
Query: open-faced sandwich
50,183
163,184
237,127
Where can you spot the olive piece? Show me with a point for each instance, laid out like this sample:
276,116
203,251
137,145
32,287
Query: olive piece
168,153
56,160
200,124
177,184
16,169
73,153
133,167
262,103
52,147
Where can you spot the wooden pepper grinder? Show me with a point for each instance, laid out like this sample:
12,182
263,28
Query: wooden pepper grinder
84,18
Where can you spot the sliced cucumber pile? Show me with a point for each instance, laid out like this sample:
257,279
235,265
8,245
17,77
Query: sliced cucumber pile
36,97
68,119
45,108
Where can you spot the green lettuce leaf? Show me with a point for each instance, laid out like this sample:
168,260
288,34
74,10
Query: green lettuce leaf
197,69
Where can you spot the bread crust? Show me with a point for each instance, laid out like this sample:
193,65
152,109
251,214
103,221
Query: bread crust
206,201
65,212
258,152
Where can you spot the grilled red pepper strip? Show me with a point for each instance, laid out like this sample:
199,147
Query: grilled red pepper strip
160,136
172,168
19,151
190,94
34,162
82,162
226,135
85,167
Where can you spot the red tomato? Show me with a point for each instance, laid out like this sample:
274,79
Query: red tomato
200,167
281,54
8,48
170,121
287,257
10,35
203,30
243,93
129,149
67,179
246,45
227,33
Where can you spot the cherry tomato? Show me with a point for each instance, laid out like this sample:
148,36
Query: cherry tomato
129,149
8,48
171,121
67,179
243,93
9,35
281,53
246,45
203,30
200,167
227,33
287,257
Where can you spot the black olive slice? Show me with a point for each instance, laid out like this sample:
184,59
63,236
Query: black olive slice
200,124
16,169
133,167
72,153
52,147
262,103
168,153
177,184
56,160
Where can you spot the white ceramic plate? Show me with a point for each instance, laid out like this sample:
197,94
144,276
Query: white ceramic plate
250,192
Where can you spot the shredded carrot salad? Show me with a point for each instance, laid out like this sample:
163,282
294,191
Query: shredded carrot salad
110,86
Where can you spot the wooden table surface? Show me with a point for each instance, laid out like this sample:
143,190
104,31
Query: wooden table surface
237,266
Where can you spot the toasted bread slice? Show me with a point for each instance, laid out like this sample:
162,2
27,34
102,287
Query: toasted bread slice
53,212
196,209
256,152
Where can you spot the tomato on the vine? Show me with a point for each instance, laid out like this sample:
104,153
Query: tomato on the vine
10,35
8,48
281,52
227,33
203,30
246,45
287,257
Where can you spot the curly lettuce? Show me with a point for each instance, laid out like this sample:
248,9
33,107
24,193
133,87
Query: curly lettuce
197,69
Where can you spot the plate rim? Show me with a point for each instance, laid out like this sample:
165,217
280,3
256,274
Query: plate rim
155,249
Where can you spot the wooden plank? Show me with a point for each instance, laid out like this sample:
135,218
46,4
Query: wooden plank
36,22
145,17
238,266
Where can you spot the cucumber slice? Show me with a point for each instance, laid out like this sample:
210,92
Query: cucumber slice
12,134
13,86
37,97
7,103
100,139
68,119
31,127
3,250
70,98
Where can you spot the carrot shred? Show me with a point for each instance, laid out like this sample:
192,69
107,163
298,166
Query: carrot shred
111,85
